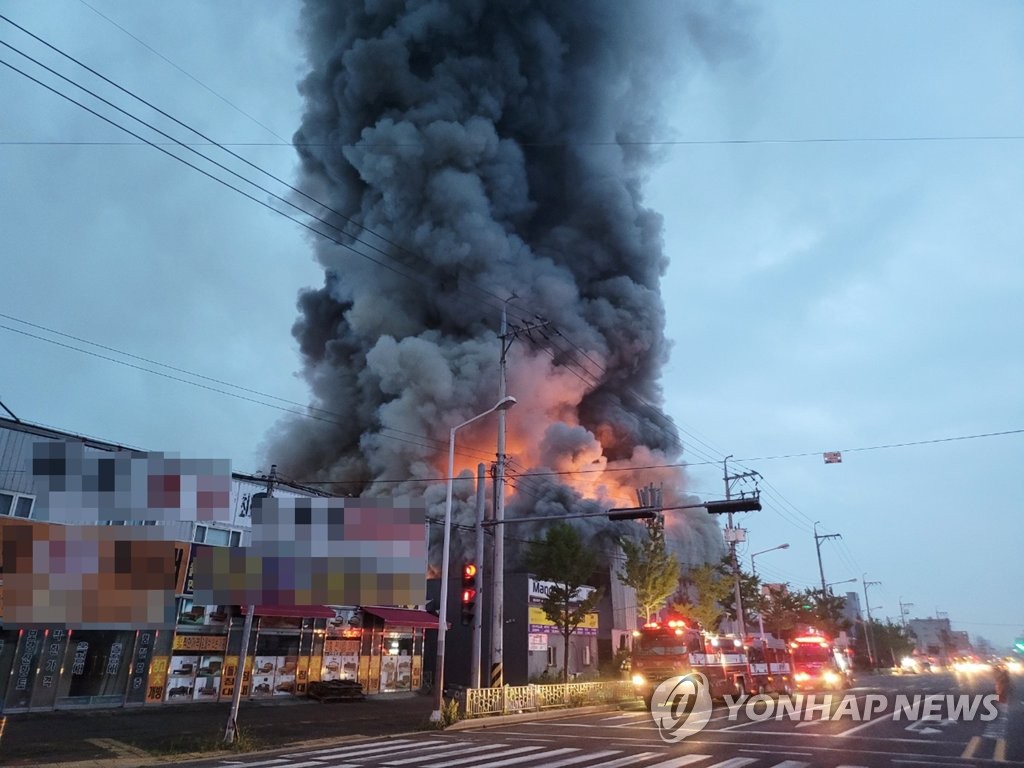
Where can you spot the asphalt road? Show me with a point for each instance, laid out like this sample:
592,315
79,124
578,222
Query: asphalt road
833,736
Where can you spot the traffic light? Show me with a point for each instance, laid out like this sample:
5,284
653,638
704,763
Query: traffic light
468,593
748,504
632,513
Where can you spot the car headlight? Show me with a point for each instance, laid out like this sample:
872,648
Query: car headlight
831,678
801,677
639,680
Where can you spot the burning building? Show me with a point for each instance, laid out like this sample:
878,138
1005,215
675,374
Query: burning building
470,157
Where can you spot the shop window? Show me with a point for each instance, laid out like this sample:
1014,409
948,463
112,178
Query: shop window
16,504
236,538
217,536
552,656
586,655
200,535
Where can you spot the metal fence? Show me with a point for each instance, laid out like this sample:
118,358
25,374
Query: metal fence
481,702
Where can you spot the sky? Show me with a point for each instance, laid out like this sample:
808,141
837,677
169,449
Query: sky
840,199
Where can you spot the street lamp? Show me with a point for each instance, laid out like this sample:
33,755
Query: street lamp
753,570
753,567
833,583
867,626
442,615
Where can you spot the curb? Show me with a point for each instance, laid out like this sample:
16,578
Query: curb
520,717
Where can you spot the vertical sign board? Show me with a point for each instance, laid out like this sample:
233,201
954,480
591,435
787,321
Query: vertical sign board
55,643
145,641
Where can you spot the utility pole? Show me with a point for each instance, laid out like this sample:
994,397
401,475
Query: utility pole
867,609
733,535
231,732
506,337
903,613
478,560
818,538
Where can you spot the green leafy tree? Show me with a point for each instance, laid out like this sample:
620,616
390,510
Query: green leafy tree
706,587
650,569
891,642
823,611
562,559
782,611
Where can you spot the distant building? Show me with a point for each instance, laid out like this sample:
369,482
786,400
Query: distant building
195,657
935,637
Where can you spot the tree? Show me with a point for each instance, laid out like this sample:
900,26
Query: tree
708,586
823,611
782,610
892,642
562,559
650,569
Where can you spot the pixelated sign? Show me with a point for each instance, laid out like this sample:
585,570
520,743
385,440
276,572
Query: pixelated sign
86,577
77,485
320,551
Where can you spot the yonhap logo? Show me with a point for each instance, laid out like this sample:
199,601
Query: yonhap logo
681,706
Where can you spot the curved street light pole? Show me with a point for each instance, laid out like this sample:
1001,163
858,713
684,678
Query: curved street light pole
442,615
753,571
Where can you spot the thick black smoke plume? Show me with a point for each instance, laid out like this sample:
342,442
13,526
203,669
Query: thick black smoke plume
480,151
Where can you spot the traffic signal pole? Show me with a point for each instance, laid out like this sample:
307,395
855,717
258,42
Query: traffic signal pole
478,555
733,536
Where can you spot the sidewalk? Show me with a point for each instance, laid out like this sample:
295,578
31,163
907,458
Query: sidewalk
168,734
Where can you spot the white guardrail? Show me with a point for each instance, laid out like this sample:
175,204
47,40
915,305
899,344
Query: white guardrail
508,700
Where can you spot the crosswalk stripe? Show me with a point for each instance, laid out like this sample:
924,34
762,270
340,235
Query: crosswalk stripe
517,751
678,762
384,749
627,760
791,764
520,759
453,749
735,762
348,748
275,761
580,758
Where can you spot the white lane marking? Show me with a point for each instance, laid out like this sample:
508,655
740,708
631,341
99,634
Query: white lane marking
627,760
373,746
678,762
581,758
275,761
627,716
791,764
862,726
735,762
513,761
453,749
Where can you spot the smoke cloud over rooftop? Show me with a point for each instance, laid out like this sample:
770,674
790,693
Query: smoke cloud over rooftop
482,154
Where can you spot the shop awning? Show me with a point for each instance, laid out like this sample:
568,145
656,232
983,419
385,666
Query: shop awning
403,617
293,611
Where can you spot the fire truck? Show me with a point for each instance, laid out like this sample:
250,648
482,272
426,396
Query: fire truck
675,647
769,664
818,664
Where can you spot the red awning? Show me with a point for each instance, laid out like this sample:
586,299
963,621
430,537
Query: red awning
293,611
403,617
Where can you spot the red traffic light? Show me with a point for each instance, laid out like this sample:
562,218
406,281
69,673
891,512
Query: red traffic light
468,596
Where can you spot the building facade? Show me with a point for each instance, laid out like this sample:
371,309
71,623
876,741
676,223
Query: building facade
194,657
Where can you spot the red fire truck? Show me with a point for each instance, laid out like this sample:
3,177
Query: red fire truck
666,649
818,664
768,660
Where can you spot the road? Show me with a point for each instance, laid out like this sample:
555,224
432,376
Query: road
826,737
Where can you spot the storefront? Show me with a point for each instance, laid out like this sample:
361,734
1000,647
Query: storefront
392,648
